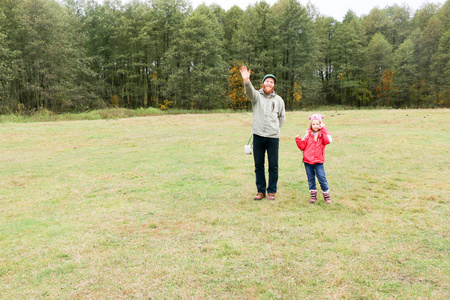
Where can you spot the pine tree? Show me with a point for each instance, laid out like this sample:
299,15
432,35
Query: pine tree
197,70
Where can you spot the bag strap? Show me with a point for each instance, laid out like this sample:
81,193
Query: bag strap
248,143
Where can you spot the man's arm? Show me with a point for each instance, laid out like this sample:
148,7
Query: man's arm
245,73
250,91
282,114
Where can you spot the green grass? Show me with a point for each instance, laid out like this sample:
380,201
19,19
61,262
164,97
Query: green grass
161,208
44,115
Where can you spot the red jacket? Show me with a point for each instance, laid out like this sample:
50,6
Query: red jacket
314,151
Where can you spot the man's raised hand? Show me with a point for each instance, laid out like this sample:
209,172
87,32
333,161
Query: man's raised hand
245,73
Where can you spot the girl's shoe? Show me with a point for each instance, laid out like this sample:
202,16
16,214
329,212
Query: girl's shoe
313,196
327,197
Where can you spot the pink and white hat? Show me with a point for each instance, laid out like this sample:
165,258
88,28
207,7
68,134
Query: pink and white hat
317,117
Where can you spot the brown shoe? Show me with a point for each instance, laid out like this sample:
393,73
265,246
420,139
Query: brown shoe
271,196
260,196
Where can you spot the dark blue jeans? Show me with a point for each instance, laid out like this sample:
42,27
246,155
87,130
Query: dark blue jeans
316,170
260,146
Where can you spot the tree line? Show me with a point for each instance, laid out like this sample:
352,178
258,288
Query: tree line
78,55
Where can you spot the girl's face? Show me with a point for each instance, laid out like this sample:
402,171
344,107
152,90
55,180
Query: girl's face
315,125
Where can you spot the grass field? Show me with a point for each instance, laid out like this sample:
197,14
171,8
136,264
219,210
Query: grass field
161,208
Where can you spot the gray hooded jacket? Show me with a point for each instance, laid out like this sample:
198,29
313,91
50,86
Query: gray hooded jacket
268,112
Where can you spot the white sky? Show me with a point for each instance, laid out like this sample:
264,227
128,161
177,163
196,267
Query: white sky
331,8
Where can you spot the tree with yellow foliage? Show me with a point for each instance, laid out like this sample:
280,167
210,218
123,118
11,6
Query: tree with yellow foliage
235,92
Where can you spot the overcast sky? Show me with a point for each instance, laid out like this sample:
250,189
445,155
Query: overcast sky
331,8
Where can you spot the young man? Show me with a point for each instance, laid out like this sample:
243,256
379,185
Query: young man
268,116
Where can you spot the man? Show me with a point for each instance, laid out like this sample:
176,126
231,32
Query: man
268,117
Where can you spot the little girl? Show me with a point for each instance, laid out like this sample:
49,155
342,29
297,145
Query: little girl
313,147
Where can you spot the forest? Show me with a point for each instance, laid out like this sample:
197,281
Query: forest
80,55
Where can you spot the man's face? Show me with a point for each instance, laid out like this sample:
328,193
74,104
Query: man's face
268,85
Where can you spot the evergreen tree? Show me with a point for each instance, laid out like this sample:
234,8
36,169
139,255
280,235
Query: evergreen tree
428,46
406,76
423,15
439,61
379,69
376,22
47,55
294,52
167,19
6,99
398,25
325,65
197,78
233,21
349,58
74,55
440,66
